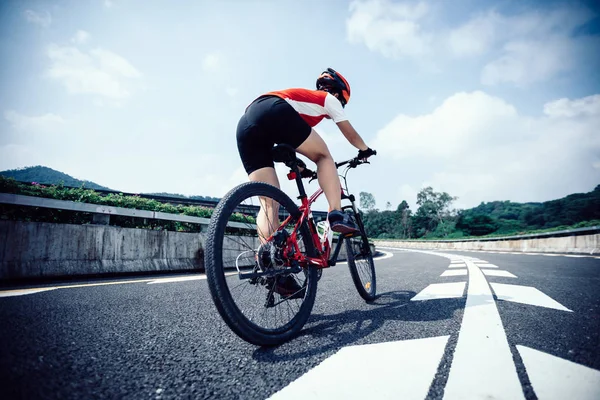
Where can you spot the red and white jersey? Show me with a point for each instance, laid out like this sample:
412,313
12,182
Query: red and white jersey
313,105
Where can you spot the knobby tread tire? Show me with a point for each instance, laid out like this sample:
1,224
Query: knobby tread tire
219,290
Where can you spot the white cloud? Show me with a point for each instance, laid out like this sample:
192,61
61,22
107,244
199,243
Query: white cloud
572,108
391,29
33,123
43,20
99,71
479,148
231,91
80,37
211,62
532,46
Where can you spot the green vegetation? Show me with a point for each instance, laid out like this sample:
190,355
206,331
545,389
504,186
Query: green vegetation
59,192
435,218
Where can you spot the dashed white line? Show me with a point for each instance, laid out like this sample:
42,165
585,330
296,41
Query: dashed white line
454,272
553,378
502,273
441,291
526,295
345,375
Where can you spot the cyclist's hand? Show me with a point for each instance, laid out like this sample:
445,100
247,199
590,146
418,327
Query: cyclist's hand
364,154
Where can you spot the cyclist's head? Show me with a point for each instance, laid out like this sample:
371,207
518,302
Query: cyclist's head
334,83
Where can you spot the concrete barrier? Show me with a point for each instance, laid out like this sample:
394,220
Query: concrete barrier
580,244
41,250
37,250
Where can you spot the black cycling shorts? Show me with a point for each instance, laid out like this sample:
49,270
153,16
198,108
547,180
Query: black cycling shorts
269,120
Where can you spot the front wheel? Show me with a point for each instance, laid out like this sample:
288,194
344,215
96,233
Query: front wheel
360,262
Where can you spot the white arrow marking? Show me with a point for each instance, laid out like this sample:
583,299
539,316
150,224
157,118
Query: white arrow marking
482,367
555,378
393,370
441,291
526,295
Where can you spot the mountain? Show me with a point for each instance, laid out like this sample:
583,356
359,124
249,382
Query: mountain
48,176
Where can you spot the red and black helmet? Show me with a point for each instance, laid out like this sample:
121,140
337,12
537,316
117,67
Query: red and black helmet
333,82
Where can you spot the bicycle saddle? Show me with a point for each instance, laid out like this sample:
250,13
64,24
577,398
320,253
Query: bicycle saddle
284,153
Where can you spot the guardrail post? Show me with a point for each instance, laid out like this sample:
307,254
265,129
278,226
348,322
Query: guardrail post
101,219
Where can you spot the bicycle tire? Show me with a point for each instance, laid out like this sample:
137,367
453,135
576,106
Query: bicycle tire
221,295
360,263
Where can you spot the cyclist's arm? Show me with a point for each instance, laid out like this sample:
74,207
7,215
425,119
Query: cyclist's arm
350,133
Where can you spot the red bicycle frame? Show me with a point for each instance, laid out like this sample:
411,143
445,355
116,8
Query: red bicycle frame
323,250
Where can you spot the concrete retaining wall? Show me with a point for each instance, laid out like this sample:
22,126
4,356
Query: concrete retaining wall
583,244
38,250
30,250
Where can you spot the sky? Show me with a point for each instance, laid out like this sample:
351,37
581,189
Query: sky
485,100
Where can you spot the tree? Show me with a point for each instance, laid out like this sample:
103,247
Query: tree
367,201
477,225
388,205
434,208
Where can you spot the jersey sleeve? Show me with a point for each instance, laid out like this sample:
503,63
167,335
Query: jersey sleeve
334,109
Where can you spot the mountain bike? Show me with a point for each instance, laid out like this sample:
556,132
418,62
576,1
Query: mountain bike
264,255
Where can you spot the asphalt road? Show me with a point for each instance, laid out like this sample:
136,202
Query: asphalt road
445,326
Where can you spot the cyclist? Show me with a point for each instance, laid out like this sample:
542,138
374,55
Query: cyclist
288,116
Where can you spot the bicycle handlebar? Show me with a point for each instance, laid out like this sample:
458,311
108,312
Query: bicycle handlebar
353,163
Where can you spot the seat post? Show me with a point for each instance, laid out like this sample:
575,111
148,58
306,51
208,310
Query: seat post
299,182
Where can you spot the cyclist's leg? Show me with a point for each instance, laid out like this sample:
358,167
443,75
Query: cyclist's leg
267,220
315,148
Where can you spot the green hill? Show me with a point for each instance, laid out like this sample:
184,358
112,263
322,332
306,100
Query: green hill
48,176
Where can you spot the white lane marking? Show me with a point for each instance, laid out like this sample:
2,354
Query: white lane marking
386,255
555,378
482,366
463,265
180,279
480,265
575,256
493,272
396,370
441,291
526,295
22,292
454,272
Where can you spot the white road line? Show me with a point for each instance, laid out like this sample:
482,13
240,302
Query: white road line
553,378
386,255
22,292
493,272
393,370
180,279
454,272
441,291
463,265
482,366
526,295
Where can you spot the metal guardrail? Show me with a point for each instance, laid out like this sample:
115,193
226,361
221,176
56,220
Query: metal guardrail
246,209
31,201
568,232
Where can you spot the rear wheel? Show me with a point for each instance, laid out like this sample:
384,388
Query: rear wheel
259,291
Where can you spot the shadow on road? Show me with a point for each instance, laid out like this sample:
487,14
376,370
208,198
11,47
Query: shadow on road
346,328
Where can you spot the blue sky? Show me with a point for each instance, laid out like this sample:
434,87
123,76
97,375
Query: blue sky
487,100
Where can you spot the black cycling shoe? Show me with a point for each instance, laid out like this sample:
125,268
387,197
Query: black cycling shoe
341,222
288,287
